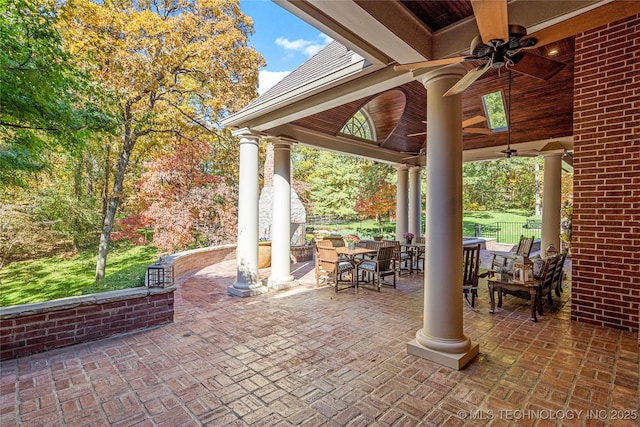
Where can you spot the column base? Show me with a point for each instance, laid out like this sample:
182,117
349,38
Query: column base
451,360
279,283
243,293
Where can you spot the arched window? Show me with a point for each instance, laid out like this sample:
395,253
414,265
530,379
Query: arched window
359,126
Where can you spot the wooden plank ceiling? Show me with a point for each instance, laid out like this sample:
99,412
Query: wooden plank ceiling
540,109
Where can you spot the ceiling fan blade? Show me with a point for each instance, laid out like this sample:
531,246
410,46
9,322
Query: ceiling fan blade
480,131
429,64
537,66
491,17
469,122
473,121
468,80
593,18
417,134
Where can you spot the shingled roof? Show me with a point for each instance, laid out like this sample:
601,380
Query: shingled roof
326,62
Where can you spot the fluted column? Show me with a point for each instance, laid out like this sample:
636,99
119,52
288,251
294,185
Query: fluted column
401,201
415,200
281,277
441,338
551,200
247,281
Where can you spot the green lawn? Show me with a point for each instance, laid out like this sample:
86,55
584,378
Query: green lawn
45,279
486,219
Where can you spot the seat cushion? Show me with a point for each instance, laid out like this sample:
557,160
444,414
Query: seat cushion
367,265
344,266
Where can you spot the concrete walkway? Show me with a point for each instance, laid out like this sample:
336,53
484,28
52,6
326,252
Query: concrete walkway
308,356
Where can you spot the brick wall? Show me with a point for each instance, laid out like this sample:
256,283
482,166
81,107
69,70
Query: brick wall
606,221
32,328
195,259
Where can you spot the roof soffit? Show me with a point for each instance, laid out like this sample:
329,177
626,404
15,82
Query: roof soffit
384,33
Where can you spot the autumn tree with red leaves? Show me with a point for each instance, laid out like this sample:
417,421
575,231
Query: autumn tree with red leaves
376,196
188,205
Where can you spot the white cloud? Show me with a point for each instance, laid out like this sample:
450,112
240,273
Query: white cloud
307,47
266,79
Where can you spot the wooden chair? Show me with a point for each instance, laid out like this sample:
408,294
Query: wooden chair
546,283
331,266
419,254
379,267
401,257
471,265
499,261
559,273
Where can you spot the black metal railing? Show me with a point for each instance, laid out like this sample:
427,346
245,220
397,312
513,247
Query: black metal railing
503,232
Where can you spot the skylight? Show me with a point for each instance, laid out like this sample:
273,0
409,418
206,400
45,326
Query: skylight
495,111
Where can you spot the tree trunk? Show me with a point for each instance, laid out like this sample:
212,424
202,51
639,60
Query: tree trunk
105,187
114,202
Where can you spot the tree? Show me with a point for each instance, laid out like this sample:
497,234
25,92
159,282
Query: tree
187,205
176,67
334,184
377,196
41,107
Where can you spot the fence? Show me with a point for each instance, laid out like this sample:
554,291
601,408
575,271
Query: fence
504,232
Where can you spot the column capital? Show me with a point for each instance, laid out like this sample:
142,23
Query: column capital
401,167
415,169
552,153
456,71
281,141
248,133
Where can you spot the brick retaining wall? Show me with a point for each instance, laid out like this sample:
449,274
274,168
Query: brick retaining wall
32,328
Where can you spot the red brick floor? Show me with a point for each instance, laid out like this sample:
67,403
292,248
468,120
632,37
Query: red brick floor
308,356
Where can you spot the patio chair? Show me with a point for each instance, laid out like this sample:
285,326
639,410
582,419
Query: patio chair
501,261
546,282
419,254
559,273
329,265
379,267
471,264
401,258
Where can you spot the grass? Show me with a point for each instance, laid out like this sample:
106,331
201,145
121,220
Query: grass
486,219
55,277
506,233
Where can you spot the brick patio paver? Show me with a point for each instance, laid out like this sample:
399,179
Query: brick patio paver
311,357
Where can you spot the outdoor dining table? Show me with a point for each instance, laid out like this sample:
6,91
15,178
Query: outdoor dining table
352,253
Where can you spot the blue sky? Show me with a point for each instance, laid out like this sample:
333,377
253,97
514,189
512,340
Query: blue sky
284,40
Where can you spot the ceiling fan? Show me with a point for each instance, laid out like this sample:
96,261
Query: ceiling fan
466,126
502,45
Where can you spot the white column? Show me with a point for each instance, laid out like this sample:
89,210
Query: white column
401,201
247,282
415,200
551,200
441,338
281,277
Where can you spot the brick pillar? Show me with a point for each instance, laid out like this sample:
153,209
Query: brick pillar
606,186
